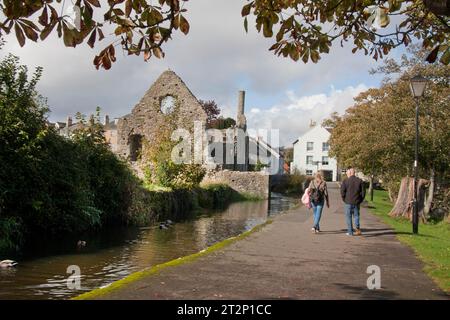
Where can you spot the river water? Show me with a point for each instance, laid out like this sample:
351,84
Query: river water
114,254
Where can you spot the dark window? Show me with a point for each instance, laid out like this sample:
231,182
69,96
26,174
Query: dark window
135,146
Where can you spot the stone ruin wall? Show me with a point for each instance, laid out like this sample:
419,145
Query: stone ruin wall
253,183
146,117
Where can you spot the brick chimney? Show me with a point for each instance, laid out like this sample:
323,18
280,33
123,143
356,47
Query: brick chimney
241,121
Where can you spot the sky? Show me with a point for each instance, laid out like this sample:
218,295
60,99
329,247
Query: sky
216,60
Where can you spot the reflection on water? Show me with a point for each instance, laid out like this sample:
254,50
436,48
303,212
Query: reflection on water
114,254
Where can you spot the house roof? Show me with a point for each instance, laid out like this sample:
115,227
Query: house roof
329,130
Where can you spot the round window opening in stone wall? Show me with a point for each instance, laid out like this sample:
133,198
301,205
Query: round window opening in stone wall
167,104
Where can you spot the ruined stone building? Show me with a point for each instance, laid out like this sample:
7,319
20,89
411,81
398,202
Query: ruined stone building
167,97
170,98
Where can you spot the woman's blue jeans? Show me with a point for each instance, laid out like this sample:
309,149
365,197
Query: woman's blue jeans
317,210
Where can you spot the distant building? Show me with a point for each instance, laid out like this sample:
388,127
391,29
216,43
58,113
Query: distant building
311,154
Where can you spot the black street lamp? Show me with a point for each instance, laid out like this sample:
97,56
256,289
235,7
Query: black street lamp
417,85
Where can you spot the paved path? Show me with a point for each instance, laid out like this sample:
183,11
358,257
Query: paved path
286,261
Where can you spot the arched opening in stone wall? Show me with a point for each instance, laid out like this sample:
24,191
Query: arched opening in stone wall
168,104
135,146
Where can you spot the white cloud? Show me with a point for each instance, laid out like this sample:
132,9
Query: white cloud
293,117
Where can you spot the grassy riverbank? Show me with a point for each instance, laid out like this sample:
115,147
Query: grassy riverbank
145,206
432,245
157,203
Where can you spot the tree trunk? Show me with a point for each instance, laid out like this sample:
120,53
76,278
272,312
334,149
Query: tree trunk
421,195
404,205
391,195
429,198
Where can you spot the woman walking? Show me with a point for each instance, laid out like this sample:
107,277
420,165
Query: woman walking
318,193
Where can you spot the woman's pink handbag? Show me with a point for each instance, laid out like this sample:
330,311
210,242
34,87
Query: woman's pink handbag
305,199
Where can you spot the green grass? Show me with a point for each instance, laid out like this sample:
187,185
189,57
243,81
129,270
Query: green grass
245,196
156,188
432,244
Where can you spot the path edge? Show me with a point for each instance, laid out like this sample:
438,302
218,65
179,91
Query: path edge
135,276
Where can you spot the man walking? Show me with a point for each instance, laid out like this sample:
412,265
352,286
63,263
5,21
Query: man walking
353,194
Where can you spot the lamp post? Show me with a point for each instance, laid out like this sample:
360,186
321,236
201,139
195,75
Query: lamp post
417,85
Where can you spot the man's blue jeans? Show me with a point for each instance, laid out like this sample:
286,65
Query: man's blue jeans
351,209
317,210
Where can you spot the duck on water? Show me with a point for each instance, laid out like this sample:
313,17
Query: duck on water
8,264
166,224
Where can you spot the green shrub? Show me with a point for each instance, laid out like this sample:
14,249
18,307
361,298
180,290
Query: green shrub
176,176
216,196
51,186
10,234
178,204
292,184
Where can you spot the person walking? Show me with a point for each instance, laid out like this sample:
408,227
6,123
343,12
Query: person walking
353,194
318,194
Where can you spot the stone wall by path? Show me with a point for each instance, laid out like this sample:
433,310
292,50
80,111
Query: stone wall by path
250,183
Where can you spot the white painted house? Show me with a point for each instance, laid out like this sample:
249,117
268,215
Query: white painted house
311,154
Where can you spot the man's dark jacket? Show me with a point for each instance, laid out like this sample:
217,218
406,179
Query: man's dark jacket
353,191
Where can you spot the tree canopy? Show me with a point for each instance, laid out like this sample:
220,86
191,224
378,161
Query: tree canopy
377,133
307,29
212,110
302,29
